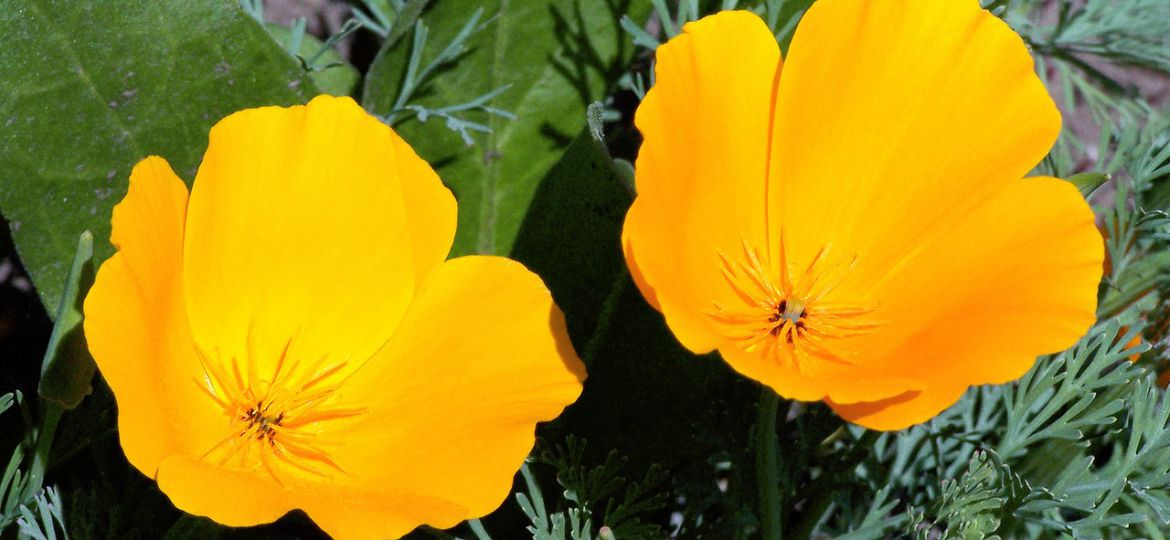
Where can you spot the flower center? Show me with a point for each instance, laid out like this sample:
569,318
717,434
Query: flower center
792,312
787,315
260,425
274,422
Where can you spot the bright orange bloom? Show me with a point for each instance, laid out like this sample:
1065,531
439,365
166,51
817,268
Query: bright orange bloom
289,336
851,224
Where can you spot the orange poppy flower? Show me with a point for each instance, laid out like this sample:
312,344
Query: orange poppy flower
851,223
289,335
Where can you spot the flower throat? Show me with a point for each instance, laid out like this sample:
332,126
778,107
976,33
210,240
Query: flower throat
785,315
273,421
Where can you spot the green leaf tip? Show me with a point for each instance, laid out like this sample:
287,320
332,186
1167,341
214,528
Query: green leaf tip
1088,182
67,369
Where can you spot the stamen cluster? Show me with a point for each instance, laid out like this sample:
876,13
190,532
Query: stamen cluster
788,315
282,412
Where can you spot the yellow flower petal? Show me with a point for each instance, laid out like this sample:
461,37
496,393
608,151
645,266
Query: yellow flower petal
351,513
809,383
136,324
1013,279
900,411
233,498
314,223
700,171
430,209
894,119
482,355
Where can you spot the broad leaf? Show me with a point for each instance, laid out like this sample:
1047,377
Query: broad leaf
571,234
90,88
557,56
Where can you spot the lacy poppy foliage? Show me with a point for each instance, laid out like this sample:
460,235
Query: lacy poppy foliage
290,336
851,223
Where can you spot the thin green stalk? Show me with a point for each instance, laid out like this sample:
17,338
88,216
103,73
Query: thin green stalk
768,465
44,443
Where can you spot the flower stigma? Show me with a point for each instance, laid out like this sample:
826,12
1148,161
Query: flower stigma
786,315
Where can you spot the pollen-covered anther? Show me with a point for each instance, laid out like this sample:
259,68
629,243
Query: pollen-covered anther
786,314
260,423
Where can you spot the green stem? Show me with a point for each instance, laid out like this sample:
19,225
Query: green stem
44,444
768,465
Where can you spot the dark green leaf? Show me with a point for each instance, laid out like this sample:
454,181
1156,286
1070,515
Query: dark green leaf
572,233
68,368
557,56
90,88
650,399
